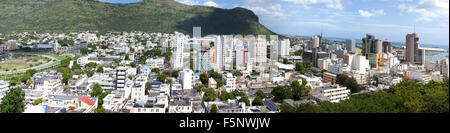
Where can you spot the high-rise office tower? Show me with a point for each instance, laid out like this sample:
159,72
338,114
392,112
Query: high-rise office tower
387,46
368,45
350,46
413,53
379,46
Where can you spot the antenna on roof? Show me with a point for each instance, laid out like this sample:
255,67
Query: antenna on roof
414,28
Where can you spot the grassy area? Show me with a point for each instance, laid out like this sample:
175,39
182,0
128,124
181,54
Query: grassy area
59,57
22,62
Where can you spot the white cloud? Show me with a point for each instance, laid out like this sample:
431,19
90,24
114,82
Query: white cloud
267,9
196,2
428,10
211,3
188,2
371,13
332,4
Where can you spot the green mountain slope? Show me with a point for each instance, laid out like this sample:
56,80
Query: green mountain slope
148,15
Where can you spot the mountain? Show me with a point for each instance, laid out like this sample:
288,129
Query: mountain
147,15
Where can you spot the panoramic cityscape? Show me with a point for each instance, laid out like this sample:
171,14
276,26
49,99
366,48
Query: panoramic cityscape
175,59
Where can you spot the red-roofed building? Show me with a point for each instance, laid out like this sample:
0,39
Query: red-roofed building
86,103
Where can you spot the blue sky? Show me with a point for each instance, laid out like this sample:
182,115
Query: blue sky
386,19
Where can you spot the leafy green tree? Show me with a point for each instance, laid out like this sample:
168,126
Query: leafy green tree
204,78
37,101
100,110
91,65
90,73
260,93
100,69
257,101
155,70
210,95
237,73
220,83
281,93
12,102
245,100
213,108
199,88
161,77
97,90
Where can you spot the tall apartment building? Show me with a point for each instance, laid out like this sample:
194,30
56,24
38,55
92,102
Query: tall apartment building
219,48
261,50
314,43
230,82
121,77
413,53
283,48
178,48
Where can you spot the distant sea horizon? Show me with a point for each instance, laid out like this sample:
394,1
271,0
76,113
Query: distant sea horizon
394,43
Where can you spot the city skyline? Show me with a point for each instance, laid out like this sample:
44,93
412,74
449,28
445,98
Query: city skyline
346,18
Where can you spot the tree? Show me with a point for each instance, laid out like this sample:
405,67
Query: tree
237,73
260,93
97,90
127,57
91,65
100,69
161,77
132,64
220,83
12,102
281,93
37,101
299,91
257,101
224,95
245,100
199,88
210,95
155,70
204,78
90,73
100,110
348,82
213,108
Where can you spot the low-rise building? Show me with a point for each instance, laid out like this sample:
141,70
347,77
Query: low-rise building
331,93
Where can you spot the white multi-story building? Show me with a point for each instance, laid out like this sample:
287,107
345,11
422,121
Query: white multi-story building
333,94
138,89
186,78
360,64
178,48
230,82
323,63
155,62
261,50
284,48
219,48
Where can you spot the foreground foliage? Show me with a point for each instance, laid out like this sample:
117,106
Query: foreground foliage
404,97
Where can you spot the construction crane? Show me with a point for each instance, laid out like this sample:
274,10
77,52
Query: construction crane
380,60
